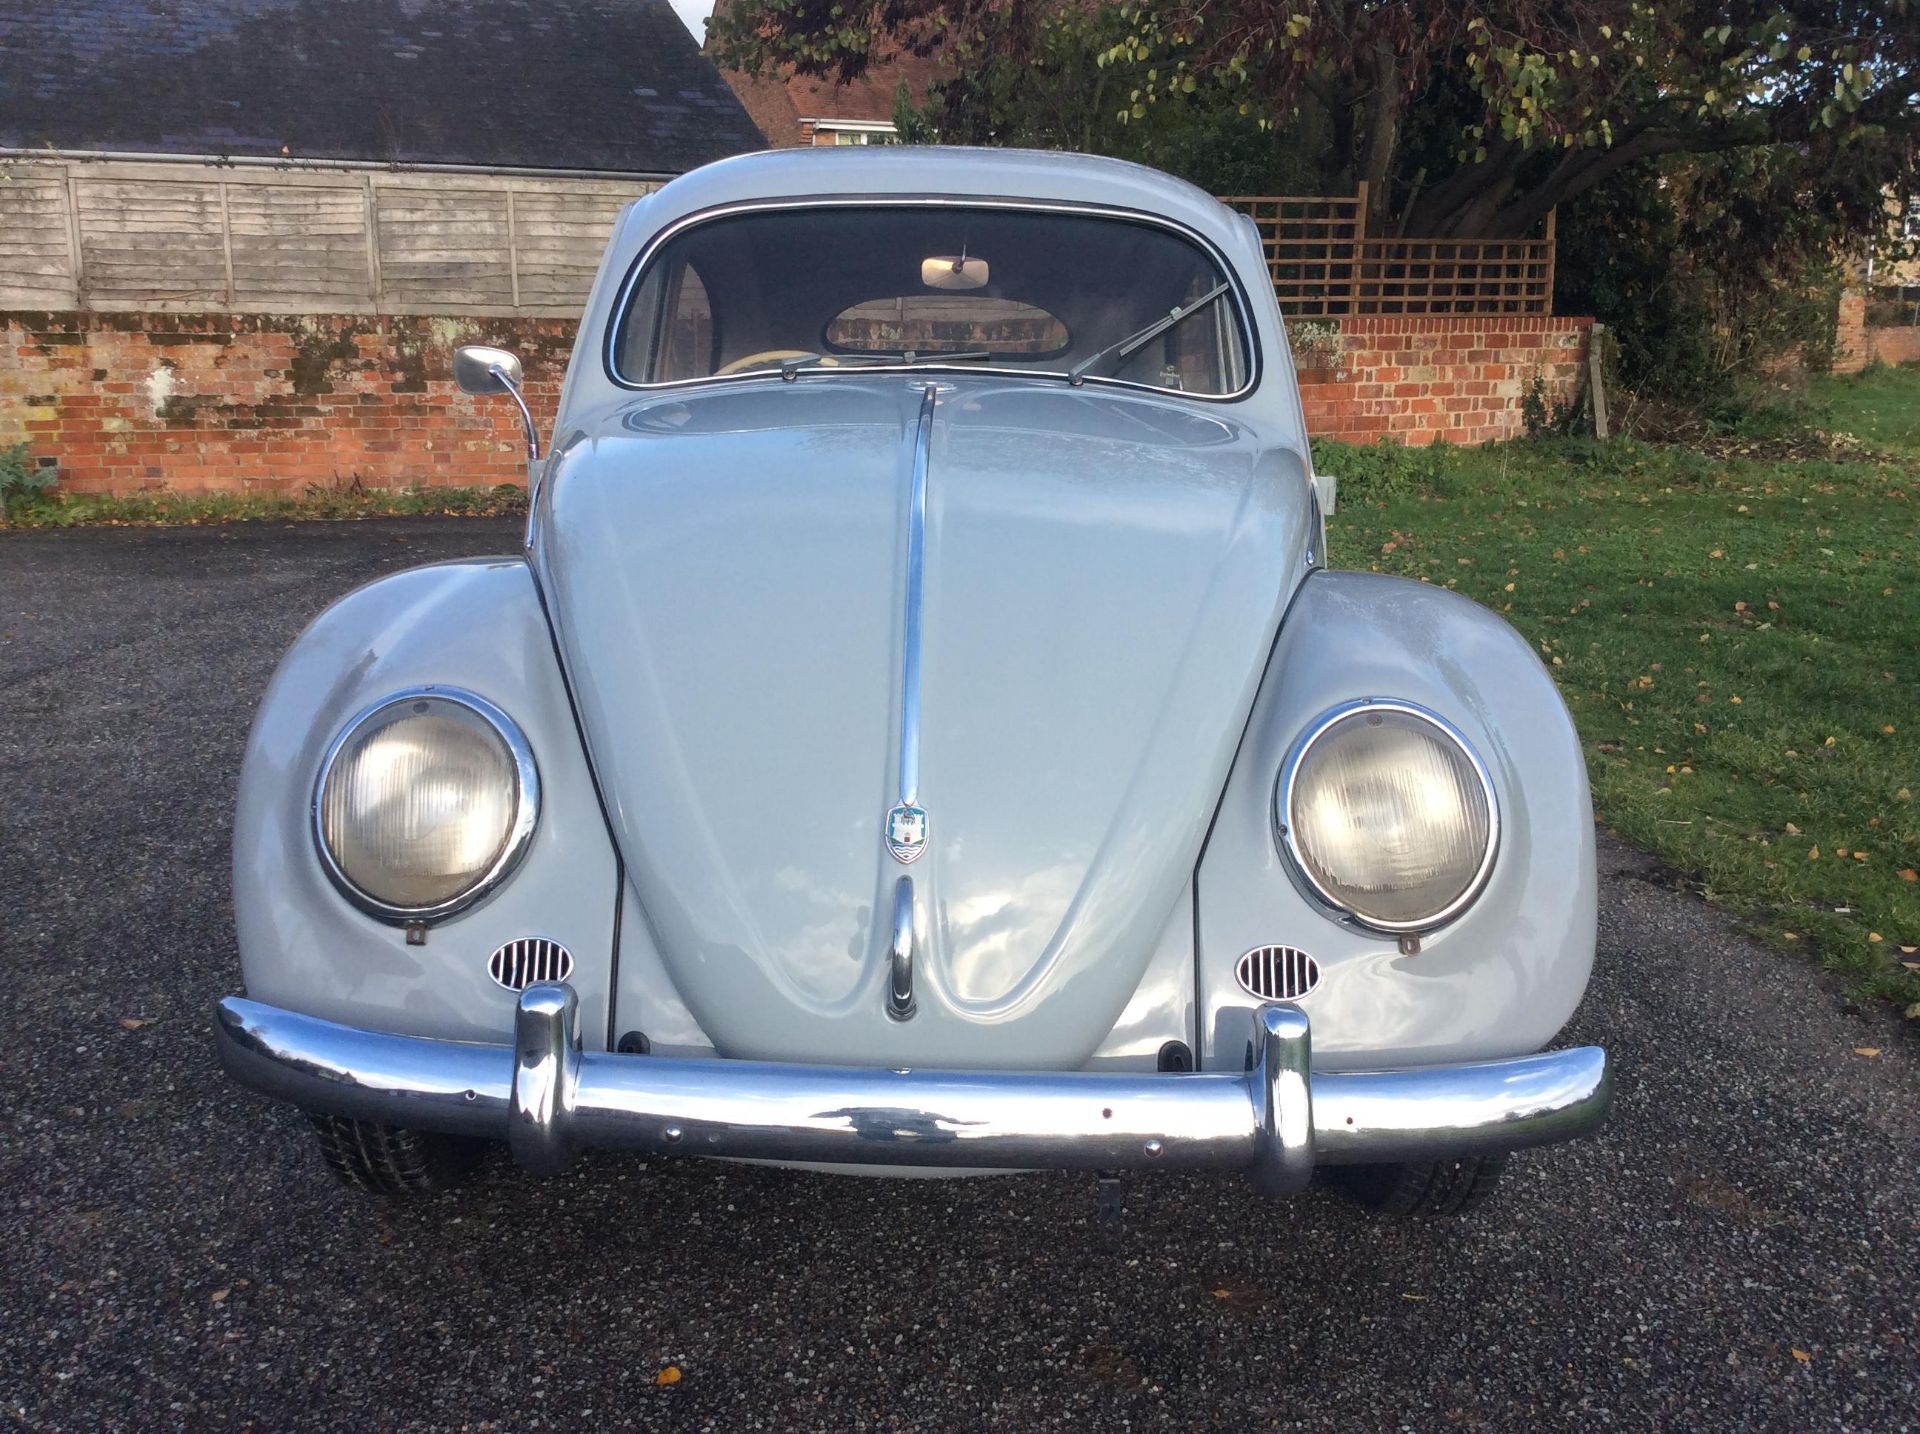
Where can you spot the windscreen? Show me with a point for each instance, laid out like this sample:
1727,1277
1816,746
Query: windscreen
785,291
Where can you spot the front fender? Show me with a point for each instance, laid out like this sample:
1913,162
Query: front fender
476,624
1503,977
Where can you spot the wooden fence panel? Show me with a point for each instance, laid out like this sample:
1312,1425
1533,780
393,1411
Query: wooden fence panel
36,242
151,245
138,234
444,246
558,240
300,248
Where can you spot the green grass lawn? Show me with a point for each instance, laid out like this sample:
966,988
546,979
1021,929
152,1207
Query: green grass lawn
1880,407
1738,640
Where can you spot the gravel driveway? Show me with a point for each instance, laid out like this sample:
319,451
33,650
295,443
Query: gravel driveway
1739,1249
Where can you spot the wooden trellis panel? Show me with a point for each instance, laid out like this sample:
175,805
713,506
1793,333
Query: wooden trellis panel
1323,264
1310,243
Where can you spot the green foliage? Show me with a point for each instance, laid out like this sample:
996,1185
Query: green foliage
20,482
1540,104
1734,638
1710,271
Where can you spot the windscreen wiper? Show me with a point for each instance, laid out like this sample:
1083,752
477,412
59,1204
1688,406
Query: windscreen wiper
1134,342
906,358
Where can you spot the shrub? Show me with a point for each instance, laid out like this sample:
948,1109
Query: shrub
20,482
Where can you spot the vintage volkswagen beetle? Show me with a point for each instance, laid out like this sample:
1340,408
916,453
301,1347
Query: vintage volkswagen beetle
920,735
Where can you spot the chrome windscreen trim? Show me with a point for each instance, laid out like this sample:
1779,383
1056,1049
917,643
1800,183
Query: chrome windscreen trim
1276,1120
630,284
1288,840
526,811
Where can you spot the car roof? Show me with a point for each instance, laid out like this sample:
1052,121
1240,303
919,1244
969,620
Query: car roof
945,171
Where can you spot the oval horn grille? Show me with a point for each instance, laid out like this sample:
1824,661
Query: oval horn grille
519,964
1278,973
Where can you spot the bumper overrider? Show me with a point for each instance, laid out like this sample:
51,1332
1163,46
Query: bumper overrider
1276,1119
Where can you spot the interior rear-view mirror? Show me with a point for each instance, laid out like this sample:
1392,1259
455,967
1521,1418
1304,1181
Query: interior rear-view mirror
953,271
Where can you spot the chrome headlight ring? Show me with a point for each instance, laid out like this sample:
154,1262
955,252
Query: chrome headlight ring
518,832
1297,860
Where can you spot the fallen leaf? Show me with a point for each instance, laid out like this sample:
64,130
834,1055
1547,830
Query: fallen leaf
1802,1356
135,1023
1875,936
1814,854
1716,553
1792,830
1907,873
669,1375
1408,1296
1886,728
219,1297
1913,1011
1868,1051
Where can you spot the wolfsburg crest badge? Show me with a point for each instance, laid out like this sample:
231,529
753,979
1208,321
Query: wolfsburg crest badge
907,832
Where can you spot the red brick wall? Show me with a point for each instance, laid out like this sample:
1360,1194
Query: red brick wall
124,402
1413,380
1895,344
195,402
1851,352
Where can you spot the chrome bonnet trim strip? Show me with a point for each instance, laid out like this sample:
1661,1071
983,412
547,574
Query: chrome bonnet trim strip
1276,1121
916,592
900,1003
905,827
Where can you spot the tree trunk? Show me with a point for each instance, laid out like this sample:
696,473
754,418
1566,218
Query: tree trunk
1383,135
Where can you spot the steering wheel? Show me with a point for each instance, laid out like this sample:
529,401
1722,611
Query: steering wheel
767,356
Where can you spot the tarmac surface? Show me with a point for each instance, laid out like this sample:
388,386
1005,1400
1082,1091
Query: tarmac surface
1738,1249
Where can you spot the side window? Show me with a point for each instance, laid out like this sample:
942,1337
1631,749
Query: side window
686,347
1200,356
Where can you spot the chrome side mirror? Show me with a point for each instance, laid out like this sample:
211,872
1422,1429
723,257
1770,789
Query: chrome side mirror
480,371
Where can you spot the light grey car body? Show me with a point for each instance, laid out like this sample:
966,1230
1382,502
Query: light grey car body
1126,623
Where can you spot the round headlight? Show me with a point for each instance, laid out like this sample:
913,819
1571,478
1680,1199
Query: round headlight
424,802
1388,814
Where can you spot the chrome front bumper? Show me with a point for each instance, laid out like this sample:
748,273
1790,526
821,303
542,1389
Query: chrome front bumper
1276,1120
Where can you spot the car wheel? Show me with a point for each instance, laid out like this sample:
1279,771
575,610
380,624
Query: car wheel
386,1160
1427,1187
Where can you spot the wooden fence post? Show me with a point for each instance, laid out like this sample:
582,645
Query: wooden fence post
1596,340
1553,248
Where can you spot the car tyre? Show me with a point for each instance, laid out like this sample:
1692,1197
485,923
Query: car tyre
1420,1188
387,1160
